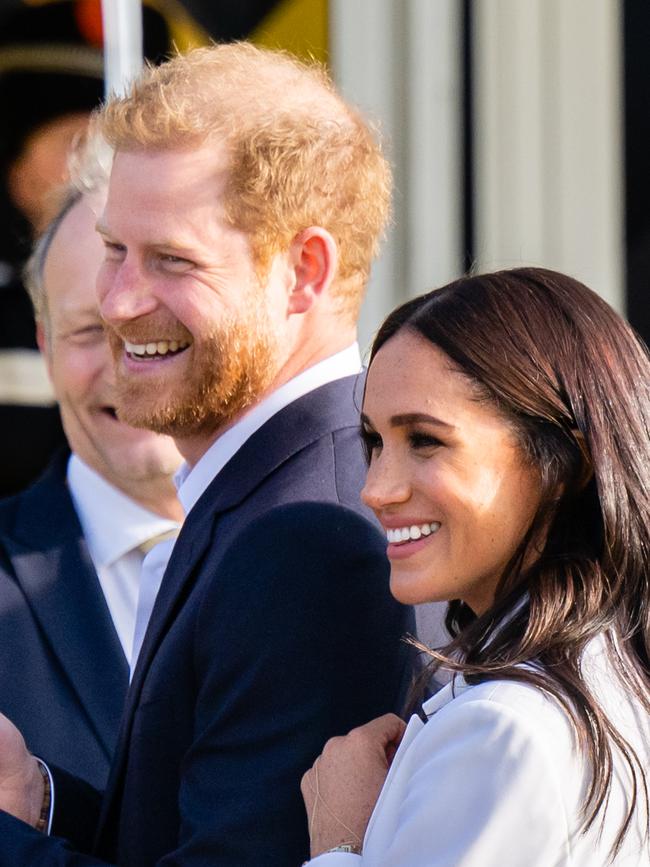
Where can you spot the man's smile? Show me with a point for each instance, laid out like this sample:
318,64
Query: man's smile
155,349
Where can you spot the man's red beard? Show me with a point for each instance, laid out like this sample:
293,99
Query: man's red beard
228,371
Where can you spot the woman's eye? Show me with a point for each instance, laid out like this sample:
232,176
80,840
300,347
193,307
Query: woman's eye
371,441
419,440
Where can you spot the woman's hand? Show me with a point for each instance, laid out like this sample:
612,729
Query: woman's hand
342,787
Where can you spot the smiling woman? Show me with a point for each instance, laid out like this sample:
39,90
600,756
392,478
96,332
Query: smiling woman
455,470
506,420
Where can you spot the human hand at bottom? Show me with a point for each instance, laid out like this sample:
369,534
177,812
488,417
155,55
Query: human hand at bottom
21,781
341,789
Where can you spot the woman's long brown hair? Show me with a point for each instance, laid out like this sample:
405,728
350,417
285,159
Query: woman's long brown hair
573,381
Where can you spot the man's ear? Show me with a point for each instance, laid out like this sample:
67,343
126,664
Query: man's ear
314,256
43,343
41,339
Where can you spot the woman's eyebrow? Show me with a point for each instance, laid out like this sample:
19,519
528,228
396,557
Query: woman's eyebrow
407,418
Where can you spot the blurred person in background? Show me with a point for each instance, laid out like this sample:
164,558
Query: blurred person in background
72,544
51,77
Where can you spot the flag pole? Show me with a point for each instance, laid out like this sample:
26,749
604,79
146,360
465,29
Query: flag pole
122,21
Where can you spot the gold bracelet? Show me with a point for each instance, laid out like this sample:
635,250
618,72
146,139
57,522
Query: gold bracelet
352,848
44,817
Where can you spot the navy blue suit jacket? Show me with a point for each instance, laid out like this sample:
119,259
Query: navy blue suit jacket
63,674
274,630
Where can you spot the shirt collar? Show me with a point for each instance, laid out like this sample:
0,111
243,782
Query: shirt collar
445,694
595,662
112,523
192,482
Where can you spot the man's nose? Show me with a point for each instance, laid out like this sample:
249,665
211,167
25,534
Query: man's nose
124,293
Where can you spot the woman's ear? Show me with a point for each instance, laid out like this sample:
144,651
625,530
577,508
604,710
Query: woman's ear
314,255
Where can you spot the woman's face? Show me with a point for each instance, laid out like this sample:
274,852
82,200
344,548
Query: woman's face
446,479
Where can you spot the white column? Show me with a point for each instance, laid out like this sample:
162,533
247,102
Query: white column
122,20
401,64
547,138
434,103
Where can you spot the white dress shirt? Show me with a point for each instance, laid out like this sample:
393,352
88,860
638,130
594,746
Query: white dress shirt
193,481
114,526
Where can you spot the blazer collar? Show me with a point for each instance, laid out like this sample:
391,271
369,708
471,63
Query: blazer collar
328,408
52,565
331,407
447,693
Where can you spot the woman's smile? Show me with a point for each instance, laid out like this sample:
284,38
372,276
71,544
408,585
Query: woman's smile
447,478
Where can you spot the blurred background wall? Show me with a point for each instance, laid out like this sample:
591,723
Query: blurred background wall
518,129
506,122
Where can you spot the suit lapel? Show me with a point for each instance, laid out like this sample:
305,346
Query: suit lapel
304,421
292,429
53,567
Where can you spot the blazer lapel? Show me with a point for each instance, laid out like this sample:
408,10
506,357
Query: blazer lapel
304,421
413,728
322,411
415,725
52,565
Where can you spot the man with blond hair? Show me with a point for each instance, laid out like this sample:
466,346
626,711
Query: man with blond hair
245,205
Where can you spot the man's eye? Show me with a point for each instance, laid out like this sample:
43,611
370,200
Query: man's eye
89,334
176,263
113,250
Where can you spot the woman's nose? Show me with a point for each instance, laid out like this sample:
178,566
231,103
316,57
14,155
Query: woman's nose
386,484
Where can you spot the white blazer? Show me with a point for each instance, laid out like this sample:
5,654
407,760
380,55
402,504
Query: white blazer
494,779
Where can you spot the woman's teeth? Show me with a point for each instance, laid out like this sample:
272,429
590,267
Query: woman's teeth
413,533
160,347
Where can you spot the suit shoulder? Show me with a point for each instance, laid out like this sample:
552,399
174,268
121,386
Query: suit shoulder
315,524
332,467
317,566
319,536
301,550
45,502
523,699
